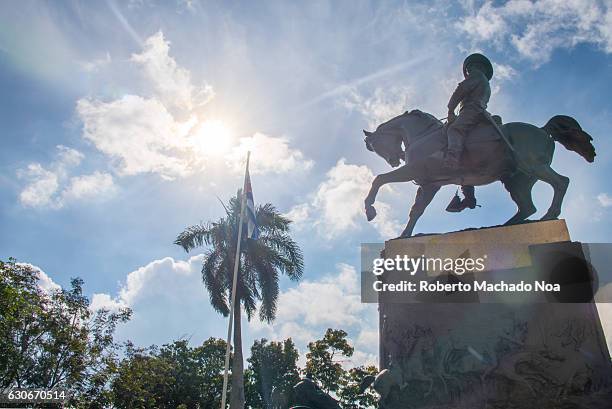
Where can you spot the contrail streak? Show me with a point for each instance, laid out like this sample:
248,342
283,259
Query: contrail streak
341,89
124,23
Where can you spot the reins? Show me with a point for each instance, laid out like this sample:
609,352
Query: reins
427,131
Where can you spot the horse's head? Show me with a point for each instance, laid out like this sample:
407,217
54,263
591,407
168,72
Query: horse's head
386,141
387,145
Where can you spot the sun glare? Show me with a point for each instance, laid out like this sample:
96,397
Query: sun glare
213,137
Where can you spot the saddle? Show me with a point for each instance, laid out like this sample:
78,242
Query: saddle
435,144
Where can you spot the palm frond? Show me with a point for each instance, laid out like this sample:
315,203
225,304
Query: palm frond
262,260
215,281
193,236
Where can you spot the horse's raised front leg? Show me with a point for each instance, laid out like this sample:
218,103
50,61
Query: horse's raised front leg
424,196
403,174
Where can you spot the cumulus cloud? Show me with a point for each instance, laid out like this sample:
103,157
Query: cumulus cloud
272,154
299,215
168,301
42,185
164,132
536,28
151,280
139,134
306,311
45,282
172,84
87,187
337,204
52,188
168,293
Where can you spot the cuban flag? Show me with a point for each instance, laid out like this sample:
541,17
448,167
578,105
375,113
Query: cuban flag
252,228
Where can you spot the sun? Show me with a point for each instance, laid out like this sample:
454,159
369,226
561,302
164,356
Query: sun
213,137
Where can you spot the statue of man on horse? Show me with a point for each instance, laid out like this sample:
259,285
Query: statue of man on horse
472,95
473,149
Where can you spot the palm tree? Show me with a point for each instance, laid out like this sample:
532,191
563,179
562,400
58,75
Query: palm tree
262,261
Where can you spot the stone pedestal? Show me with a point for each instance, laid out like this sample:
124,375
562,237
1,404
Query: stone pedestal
484,352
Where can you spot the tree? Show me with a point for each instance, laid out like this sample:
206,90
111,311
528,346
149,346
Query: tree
143,380
198,372
349,388
261,263
273,366
210,357
50,338
323,361
175,375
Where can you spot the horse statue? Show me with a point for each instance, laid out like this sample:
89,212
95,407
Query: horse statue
518,159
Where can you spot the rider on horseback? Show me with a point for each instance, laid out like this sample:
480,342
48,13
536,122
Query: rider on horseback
472,95
308,395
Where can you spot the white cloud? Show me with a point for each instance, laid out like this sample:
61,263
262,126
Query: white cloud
68,157
164,132
91,186
140,134
604,199
486,23
169,294
299,215
536,28
172,83
307,310
44,186
269,155
41,187
105,301
504,72
44,281
168,301
153,279
337,204
382,105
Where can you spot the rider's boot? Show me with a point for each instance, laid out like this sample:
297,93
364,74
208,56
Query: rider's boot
469,200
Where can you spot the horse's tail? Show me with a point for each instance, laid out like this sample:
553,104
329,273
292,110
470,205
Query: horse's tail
567,131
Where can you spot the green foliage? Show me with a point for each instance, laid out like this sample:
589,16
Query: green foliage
143,380
324,359
262,260
50,338
273,372
173,375
349,389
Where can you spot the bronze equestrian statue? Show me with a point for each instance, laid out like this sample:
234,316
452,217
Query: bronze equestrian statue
472,96
308,395
517,154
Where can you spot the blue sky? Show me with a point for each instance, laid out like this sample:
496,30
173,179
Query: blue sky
123,122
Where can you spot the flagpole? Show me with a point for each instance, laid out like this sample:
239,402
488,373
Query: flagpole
234,285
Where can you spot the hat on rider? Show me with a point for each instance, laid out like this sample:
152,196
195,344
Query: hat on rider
479,59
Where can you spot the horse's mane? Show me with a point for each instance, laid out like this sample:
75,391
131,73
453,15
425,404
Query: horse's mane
398,120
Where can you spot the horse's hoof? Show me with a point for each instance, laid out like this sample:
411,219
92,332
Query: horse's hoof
370,212
547,217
